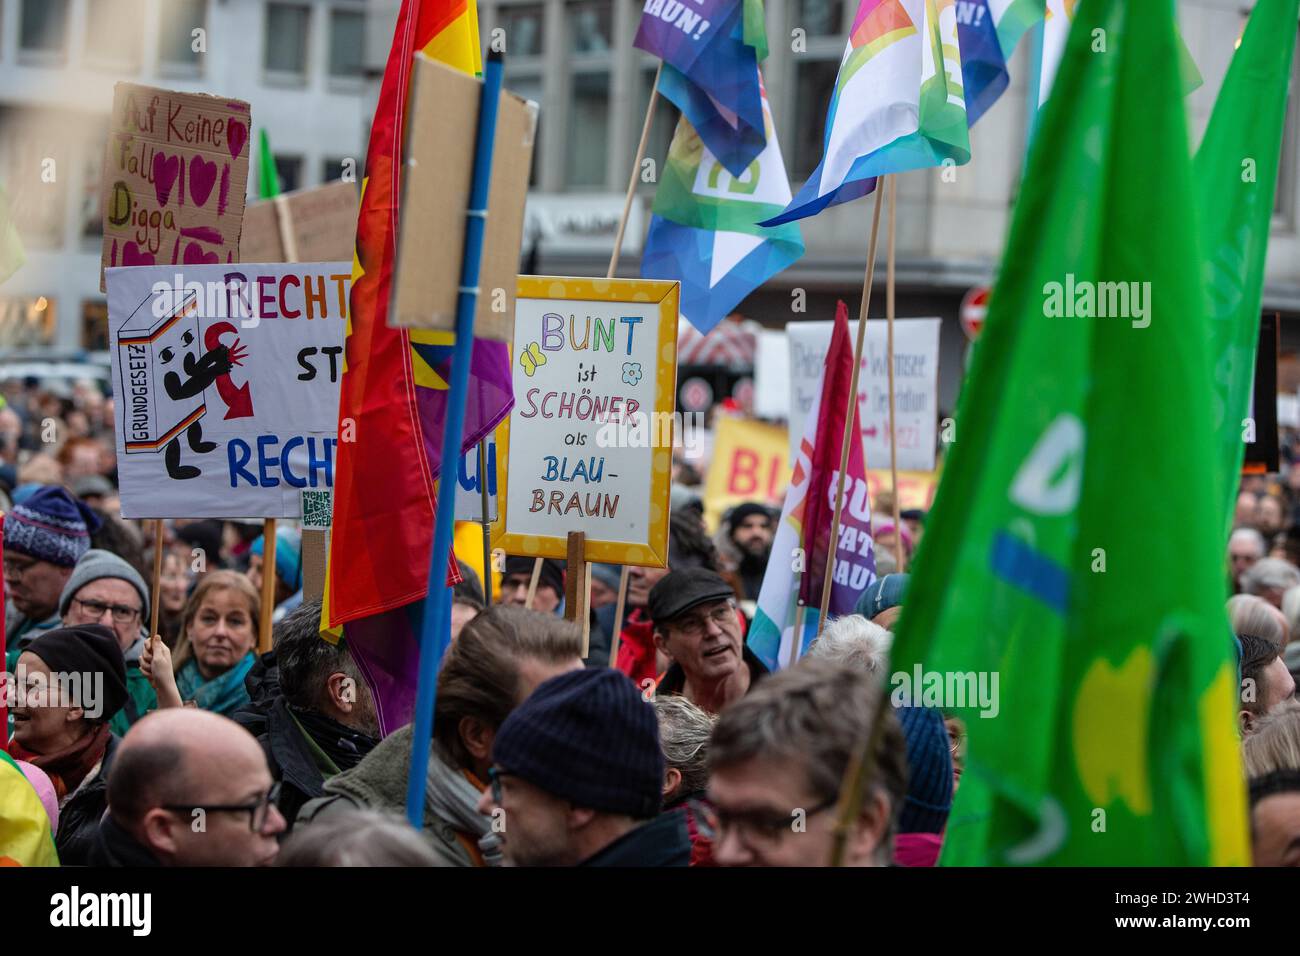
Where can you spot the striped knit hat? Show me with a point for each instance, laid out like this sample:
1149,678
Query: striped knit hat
929,771
589,737
50,525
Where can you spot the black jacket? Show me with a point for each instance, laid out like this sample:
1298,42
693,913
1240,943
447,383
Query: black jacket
287,754
79,817
662,841
113,846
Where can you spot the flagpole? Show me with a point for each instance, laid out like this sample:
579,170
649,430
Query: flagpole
621,606
434,628
889,319
851,405
487,524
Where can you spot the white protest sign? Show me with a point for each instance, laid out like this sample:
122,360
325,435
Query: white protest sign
226,383
469,495
590,436
916,386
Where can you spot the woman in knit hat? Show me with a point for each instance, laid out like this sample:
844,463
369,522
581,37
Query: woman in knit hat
70,683
215,649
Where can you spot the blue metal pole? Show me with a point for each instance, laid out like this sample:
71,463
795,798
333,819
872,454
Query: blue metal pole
435,628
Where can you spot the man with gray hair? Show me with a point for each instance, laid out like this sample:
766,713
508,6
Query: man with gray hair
777,760
1245,547
855,641
310,709
1269,578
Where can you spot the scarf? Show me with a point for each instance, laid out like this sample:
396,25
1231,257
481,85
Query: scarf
454,799
68,767
343,745
223,694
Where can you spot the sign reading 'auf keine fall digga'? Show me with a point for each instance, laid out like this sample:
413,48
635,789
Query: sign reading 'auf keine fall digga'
175,173
591,433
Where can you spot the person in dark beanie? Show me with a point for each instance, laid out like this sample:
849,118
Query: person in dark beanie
104,589
550,584
70,683
882,601
750,528
577,771
929,787
44,537
699,628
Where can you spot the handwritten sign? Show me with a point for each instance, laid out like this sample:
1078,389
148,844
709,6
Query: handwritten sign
590,437
226,380
750,462
175,173
916,386
469,495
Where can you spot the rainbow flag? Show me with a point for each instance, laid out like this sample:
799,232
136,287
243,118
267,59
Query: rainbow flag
898,103
25,838
393,399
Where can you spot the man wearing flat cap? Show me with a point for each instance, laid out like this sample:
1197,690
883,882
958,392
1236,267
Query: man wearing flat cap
697,625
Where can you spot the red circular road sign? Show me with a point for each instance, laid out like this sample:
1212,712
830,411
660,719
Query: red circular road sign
974,305
696,395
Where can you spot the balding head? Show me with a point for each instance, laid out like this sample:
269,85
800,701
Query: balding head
171,772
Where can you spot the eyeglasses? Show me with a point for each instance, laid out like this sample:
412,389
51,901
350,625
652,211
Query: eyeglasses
697,625
494,779
16,569
258,812
121,613
754,827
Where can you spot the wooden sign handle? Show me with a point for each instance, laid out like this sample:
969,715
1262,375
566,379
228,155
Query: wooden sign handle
577,585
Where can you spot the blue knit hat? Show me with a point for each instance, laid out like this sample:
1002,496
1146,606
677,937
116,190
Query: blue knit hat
589,737
881,595
50,525
929,770
288,557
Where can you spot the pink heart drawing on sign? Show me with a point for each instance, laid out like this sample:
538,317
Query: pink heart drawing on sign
165,171
236,136
132,256
203,176
194,255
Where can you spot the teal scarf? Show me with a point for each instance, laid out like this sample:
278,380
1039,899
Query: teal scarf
223,695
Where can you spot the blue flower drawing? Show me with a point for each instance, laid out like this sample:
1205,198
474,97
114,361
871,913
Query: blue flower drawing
632,372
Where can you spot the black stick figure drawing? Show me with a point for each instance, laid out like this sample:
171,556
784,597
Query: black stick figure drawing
200,373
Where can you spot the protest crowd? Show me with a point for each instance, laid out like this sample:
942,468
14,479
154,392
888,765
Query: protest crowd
686,751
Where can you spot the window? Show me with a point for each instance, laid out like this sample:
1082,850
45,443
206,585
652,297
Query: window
589,26
113,33
180,18
44,27
286,39
347,42
814,83
94,325
524,27
818,18
1288,173
27,322
588,140
289,169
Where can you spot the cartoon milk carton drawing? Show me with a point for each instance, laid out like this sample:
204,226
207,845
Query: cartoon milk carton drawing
164,374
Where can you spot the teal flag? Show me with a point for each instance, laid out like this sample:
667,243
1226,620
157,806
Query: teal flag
1067,599
1236,176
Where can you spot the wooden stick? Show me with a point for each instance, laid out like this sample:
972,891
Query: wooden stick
853,788
155,591
796,642
851,408
577,586
618,617
487,524
532,583
586,606
621,606
893,430
268,586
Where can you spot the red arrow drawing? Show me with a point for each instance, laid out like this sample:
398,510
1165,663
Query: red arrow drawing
238,399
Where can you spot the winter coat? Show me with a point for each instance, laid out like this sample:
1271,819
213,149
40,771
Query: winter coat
661,841
80,814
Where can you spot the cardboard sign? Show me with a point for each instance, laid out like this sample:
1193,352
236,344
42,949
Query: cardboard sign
590,437
916,387
750,462
175,173
310,225
226,381
437,166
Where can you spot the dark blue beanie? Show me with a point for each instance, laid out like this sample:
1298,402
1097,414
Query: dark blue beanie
882,594
587,736
929,770
50,525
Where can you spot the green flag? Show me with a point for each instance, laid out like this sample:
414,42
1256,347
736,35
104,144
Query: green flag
1071,565
1236,175
268,178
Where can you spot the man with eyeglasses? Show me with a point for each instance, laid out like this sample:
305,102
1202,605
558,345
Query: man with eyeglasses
104,589
777,759
44,537
189,788
697,625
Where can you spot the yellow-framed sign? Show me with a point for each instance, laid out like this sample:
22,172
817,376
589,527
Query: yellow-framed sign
590,439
